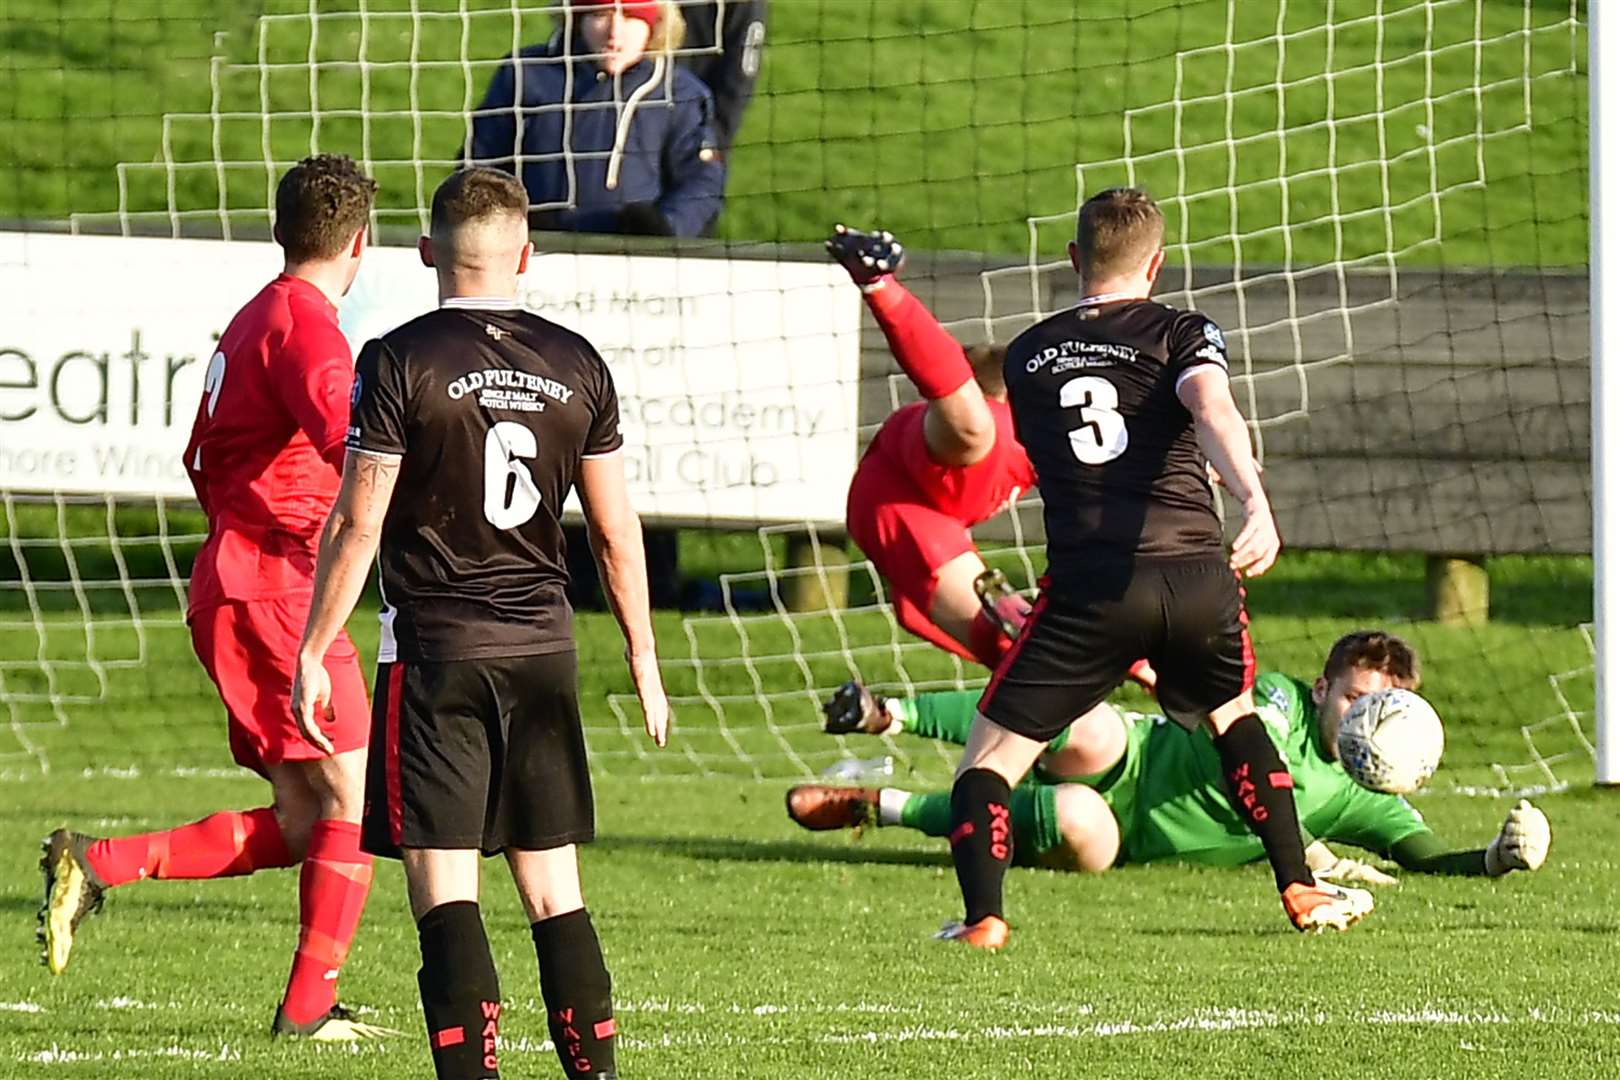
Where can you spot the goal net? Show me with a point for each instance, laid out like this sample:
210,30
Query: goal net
1382,202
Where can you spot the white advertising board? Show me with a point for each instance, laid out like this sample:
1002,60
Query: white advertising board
737,379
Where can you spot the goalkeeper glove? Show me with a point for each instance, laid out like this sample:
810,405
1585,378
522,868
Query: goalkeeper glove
1522,844
1358,873
869,258
1327,865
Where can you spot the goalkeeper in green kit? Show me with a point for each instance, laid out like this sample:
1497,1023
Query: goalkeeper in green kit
1151,790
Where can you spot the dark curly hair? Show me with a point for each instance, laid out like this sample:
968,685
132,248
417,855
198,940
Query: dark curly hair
1374,650
320,204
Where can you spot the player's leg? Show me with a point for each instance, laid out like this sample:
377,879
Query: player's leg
1206,666
242,650
243,662
1061,826
1088,834
993,761
1090,745
545,809
910,543
329,791
574,979
1074,651
460,988
954,607
427,796
332,887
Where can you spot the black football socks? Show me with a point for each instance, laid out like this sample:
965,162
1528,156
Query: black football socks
578,994
461,994
981,840
1262,791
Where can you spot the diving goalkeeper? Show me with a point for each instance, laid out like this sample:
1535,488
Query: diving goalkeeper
1155,791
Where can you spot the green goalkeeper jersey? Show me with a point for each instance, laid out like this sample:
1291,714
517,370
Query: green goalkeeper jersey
1170,798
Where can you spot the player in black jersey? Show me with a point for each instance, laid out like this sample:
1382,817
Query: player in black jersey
483,416
1120,401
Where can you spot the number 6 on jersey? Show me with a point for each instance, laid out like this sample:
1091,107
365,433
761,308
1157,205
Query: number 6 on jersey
1101,436
510,497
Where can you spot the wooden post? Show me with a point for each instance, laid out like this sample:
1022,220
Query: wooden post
811,591
1459,590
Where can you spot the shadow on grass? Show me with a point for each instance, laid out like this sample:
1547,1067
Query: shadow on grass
715,849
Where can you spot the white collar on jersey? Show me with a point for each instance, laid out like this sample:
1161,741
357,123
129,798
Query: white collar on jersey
482,303
1105,298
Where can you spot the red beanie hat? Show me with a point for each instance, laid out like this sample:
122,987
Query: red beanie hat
647,11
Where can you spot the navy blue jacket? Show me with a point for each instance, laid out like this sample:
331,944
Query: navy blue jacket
722,47
668,155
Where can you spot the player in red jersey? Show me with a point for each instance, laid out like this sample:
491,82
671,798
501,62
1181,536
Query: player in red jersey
936,467
265,456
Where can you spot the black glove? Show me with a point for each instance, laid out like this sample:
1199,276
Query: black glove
644,219
867,256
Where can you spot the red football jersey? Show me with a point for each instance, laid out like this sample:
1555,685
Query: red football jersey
266,449
968,493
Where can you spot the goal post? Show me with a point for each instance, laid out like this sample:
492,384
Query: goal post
1603,68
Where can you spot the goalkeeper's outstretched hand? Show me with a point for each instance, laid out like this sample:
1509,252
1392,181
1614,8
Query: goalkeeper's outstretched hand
1327,865
868,257
1355,872
1522,844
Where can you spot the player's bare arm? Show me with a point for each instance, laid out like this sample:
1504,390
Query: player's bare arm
958,426
615,532
348,546
1223,436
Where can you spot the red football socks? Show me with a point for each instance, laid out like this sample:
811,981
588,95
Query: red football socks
226,844
930,357
332,892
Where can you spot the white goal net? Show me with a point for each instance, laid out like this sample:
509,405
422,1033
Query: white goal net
1368,196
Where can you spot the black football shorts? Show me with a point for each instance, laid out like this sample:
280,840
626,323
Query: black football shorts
483,754
1185,616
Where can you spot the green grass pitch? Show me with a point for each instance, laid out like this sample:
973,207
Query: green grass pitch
742,947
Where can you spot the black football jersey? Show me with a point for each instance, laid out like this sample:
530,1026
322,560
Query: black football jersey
491,410
1093,394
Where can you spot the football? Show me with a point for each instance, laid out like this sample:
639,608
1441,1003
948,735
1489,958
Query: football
1391,741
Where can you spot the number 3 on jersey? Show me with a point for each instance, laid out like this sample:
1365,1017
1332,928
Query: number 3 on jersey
510,497
1101,436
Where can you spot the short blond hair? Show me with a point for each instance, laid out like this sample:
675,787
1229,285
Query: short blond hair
1118,231
476,194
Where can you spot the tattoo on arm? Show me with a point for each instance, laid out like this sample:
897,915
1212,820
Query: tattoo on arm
372,469
373,487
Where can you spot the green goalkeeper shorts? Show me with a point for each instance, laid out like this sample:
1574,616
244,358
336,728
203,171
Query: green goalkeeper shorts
1169,800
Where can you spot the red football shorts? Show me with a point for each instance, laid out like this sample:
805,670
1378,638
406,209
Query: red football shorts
908,541
249,649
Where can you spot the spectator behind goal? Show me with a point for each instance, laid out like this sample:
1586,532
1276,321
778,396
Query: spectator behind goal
642,155
724,42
